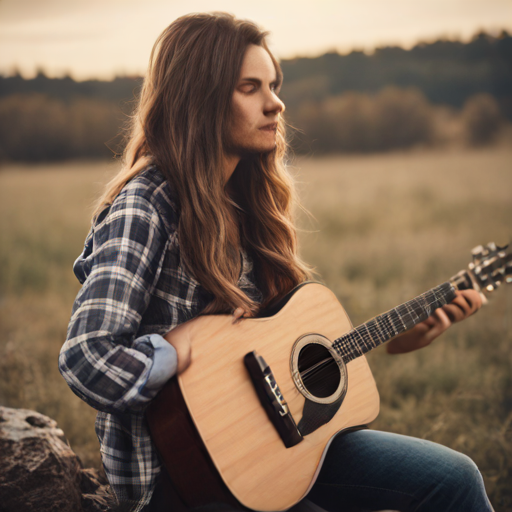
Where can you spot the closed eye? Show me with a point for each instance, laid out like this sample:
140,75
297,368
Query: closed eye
251,85
248,88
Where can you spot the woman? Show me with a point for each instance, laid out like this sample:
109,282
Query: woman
199,220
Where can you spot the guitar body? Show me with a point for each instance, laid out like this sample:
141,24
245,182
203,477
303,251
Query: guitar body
242,443
249,422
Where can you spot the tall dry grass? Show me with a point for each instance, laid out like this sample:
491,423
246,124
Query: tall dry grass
386,228
44,217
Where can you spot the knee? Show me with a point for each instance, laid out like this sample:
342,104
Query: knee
463,475
466,470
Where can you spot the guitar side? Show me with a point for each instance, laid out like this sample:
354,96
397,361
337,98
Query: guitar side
242,443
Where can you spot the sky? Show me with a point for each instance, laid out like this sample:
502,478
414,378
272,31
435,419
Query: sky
104,38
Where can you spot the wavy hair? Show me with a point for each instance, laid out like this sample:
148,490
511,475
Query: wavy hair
180,125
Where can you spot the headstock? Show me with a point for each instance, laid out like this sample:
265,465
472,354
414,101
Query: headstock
491,266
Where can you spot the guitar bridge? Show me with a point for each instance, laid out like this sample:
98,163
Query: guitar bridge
272,399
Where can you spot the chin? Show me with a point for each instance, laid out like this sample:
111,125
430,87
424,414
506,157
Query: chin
254,152
251,145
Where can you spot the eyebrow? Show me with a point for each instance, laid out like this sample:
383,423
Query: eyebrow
257,81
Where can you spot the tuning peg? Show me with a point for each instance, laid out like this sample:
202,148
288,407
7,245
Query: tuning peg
508,272
491,266
477,253
491,249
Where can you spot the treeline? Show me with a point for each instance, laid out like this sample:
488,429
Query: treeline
36,127
440,93
446,72
392,119
121,89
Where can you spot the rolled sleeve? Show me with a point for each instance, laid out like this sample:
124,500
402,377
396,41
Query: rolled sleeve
102,360
165,362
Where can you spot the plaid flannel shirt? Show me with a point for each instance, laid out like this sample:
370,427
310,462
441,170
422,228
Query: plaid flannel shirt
134,291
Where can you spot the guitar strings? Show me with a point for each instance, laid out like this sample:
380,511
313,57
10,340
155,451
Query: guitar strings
377,328
410,314
374,332
317,368
348,343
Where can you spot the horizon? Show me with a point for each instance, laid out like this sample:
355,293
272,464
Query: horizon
101,39
496,34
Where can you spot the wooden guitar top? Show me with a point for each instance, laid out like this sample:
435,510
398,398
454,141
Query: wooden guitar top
243,444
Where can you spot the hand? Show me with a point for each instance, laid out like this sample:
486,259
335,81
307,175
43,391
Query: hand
466,303
183,349
240,313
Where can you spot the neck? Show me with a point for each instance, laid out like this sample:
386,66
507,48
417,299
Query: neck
396,321
230,163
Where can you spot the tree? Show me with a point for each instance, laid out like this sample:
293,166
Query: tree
481,118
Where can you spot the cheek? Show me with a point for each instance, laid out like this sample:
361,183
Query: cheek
245,113
241,118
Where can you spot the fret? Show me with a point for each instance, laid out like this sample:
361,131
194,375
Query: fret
382,328
362,336
396,323
369,334
373,327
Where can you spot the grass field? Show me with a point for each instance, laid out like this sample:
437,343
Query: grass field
383,229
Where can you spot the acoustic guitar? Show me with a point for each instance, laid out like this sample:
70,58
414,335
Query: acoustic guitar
250,421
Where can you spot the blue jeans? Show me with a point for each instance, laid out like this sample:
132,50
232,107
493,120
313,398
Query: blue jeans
370,470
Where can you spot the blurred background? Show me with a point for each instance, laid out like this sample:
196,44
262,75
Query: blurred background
400,120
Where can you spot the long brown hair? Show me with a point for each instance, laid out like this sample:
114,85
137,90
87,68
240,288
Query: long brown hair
180,125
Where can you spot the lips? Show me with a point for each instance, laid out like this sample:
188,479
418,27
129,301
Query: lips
272,127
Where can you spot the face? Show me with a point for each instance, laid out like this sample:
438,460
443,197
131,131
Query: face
255,106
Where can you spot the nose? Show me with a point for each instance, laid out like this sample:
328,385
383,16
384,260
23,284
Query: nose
274,104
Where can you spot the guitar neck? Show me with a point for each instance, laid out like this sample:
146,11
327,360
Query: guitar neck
396,321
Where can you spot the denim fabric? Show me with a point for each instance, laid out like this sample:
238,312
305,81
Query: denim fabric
368,470
371,470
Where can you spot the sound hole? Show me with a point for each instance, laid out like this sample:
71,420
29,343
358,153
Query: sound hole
318,370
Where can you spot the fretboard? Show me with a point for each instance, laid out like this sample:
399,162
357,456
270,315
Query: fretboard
382,328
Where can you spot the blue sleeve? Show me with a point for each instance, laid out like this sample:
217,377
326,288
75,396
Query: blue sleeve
165,362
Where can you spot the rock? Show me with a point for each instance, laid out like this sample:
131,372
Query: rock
39,471
96,493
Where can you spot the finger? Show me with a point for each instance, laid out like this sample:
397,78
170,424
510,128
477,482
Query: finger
473,298
465,304
238,313
455,312
459,308
430,321
441,322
